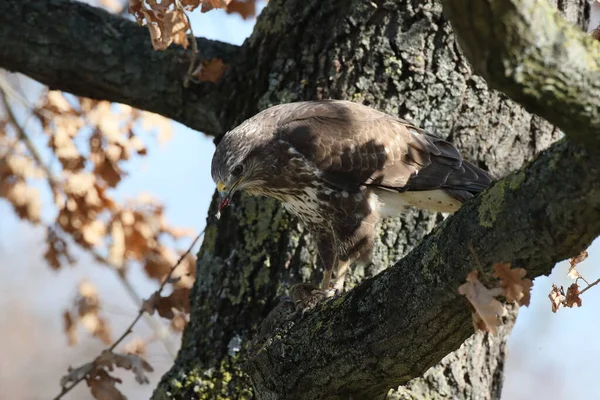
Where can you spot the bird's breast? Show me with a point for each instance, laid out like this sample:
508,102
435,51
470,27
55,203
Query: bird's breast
306,205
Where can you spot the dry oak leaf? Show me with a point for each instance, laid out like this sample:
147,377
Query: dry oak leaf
516,288
208,5
573,273
178,300
137,346
487,308
572,297
25,199
57,251
102,386
245,8
557,297
132,362
210,71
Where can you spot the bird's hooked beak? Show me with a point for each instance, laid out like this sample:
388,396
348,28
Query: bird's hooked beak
225,195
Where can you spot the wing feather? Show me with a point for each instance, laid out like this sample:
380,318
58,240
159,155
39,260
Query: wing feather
354,145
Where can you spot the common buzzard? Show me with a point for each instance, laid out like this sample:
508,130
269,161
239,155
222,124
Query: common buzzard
340,166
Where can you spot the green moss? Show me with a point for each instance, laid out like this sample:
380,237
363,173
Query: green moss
515,180
429,258
209,241
491,204
220,383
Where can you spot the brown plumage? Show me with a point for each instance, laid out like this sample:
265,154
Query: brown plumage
340,166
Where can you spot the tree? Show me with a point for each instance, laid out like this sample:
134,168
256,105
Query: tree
400,57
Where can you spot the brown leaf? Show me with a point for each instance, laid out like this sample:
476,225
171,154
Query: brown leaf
102,386
70,328
136,346
179,322
116,251
573,273
25,199
131,362
578,258
557,297
86,311
57,251
178,300
246,9
486,306
572,297
210,71
516,289
208,5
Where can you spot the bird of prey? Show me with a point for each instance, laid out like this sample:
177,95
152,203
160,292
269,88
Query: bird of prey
340,167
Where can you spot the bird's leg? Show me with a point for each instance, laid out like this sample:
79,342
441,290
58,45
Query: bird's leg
329,258
326,281
341,270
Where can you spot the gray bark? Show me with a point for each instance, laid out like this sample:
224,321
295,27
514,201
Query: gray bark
400,57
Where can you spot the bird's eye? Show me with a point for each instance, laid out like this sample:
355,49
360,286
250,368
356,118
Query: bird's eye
237,170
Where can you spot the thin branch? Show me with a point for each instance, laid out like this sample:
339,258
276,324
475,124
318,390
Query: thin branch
195,52
67,389
5,91
589,286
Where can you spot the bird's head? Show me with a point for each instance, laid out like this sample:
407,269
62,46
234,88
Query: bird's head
238,162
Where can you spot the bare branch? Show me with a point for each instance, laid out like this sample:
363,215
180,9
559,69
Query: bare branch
89,52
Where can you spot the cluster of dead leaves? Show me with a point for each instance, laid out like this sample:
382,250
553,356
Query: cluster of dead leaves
168,23
86,311
487,310
557,295
176,307
96,374
18,171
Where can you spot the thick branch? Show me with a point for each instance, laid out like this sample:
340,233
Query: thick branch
86,51
528,51
393,327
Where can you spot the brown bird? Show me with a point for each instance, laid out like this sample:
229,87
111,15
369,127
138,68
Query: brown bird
340,167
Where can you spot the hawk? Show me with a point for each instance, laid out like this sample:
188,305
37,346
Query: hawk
341,166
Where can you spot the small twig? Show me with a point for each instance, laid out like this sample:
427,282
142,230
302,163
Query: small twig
133,294
583,279
129,329
195,52
589,286
4,93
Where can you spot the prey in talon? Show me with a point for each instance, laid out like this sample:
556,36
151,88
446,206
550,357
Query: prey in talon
341,167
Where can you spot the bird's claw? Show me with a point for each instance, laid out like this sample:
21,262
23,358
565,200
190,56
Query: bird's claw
306,296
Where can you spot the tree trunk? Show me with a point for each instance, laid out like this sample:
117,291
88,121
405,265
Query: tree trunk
400,57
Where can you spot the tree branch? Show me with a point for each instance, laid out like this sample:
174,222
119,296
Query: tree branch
89,52
528,51
392,328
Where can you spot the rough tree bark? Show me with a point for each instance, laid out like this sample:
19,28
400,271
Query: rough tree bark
398,56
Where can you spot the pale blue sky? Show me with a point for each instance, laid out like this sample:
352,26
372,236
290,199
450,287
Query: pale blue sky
553,356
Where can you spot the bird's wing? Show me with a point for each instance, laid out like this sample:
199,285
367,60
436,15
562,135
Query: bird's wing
354,145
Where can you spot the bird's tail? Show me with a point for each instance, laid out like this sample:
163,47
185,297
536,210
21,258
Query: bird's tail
466,182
